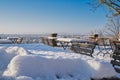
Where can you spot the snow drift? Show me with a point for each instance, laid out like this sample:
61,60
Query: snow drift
58,68
40,62
7,53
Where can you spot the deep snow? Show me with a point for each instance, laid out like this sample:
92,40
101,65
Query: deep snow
41,62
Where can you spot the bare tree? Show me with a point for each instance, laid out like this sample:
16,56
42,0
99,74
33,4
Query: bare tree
113,27
112,5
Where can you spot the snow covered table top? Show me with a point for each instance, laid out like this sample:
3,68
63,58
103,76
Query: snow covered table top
71,40
64,42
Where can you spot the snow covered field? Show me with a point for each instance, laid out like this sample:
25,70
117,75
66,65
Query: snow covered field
41,62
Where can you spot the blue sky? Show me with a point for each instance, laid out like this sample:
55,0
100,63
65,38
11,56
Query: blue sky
48,16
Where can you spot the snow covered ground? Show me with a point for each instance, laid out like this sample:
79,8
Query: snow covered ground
41,62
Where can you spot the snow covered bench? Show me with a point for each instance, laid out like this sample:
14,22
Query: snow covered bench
83,48
116,56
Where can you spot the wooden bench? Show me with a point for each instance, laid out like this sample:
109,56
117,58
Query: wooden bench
116,56
83,48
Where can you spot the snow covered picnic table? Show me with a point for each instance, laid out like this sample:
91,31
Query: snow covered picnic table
11,40
70,40
66,42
